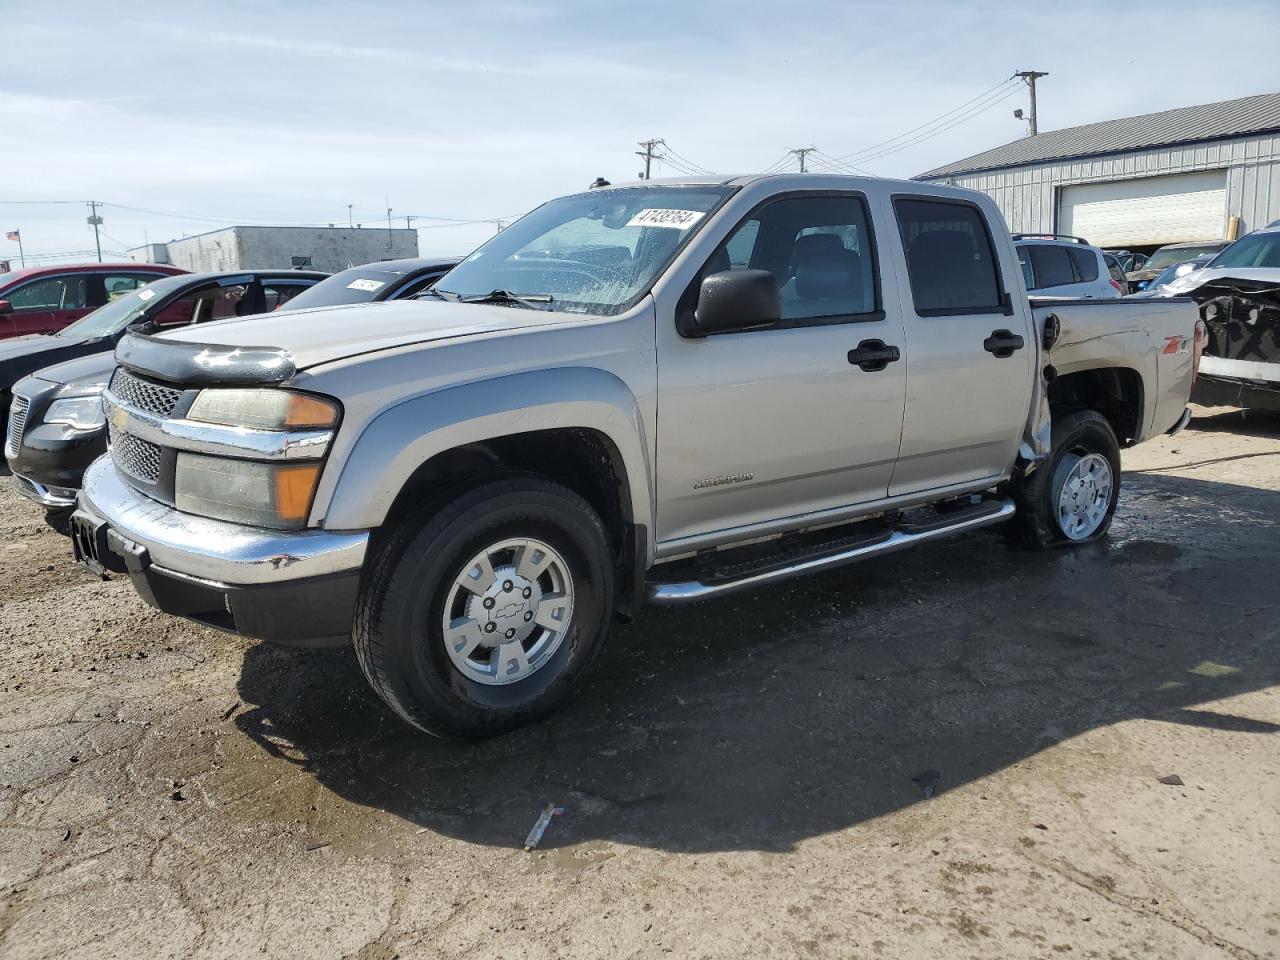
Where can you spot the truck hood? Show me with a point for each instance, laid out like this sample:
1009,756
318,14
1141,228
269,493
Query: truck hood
325,334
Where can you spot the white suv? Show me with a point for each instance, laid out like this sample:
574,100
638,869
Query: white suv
1059,266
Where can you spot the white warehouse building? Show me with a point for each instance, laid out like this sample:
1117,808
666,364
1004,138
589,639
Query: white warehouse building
1210,172
279,248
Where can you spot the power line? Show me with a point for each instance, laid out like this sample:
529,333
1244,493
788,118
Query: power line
999,87
698,169
950,125
778,164
839,165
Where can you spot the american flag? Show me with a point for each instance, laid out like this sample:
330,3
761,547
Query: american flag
13,235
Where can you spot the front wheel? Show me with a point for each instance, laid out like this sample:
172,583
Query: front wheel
486,611
1071,498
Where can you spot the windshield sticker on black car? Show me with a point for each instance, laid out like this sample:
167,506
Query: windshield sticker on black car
660,217
146,294
369,286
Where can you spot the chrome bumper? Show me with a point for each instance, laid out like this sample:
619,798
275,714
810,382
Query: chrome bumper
51,498
213,550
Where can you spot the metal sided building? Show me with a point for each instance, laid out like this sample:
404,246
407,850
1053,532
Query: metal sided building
279,248
1210,172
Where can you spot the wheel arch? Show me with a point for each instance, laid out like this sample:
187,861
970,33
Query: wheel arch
583,429
1117,393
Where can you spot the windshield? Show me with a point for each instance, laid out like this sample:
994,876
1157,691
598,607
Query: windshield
594,253
359,285
1252,250
118,314
1168,256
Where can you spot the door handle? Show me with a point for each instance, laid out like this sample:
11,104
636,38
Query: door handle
1002,343
873,355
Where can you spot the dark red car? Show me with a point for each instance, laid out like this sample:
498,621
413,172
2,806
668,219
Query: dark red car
46,299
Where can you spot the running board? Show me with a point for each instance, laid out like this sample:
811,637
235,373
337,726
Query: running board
688,591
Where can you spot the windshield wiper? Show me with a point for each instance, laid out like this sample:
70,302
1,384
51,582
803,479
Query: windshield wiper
532,301
439,294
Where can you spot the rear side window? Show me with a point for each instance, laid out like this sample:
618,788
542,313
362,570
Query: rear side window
1053,265
951,260
1086,263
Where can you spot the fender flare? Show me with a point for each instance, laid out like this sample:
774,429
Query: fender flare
399,440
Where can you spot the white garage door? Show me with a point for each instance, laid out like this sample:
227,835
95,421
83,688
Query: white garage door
1187,206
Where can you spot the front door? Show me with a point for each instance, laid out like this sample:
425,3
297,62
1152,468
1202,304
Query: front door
47,304
971,363
773,423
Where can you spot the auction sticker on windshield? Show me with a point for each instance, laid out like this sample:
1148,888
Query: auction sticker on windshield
146,294
662,217
368,286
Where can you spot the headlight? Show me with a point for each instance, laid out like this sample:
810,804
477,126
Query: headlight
274,495
263,409
82,413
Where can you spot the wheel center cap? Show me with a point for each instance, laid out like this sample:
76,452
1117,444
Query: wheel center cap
506,610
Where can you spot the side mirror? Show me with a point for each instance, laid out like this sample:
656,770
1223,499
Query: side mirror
5,307
736,300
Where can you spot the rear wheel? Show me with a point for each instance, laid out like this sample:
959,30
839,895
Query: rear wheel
487,611
1071,498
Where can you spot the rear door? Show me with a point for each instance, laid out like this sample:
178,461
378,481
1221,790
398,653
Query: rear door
970,354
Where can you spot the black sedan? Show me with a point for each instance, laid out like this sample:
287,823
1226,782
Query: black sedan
384,280
171,302
55,423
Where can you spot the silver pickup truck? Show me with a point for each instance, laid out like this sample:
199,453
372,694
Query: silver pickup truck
665,391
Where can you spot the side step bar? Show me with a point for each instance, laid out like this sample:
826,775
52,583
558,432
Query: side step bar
668,594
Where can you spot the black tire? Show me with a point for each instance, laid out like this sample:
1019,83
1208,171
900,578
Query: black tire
398,630
1078,434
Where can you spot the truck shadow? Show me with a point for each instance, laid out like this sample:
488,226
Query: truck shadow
759,722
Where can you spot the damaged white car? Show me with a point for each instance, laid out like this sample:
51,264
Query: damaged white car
1239,296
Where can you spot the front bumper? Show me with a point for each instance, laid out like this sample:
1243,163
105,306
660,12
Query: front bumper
51,498
292,587
53,457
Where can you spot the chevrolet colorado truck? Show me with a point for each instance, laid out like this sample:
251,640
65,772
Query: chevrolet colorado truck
665,391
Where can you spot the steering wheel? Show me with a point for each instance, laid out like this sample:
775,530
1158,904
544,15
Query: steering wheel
596,276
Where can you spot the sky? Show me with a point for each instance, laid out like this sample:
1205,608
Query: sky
184,117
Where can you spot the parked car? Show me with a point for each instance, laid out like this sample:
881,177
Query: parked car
46,299
1169,255
51,474
1128,259
1239,296
1157,286
1116,271
662,391
1059,266
55,424
375,282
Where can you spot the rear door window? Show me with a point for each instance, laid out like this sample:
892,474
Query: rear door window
1053,265
1086,263
951,260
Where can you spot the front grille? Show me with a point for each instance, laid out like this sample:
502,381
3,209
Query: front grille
17,425
136,457
146,395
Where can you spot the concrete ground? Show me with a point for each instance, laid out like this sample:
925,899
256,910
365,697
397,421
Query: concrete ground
737,780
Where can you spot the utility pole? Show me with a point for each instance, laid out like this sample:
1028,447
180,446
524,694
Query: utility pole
1030,76
351,222
649,154
802,152
95,221
388,226
408,222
